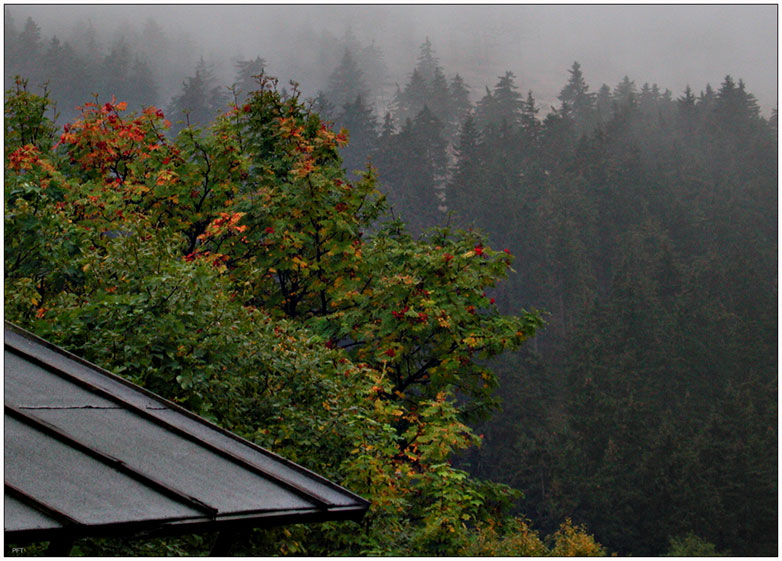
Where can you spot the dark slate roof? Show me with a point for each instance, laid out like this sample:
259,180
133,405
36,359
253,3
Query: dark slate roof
87,453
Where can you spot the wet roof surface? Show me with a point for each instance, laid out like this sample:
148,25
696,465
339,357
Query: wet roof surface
88,453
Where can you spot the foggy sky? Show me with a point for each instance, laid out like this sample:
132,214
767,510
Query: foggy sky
671,45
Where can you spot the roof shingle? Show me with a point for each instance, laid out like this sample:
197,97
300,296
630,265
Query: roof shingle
88,453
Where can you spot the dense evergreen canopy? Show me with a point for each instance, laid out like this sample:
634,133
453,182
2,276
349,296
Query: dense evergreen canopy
643,222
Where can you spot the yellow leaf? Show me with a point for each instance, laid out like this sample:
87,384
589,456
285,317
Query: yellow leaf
300,262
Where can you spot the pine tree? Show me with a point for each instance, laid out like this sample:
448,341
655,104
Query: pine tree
427,131
427,64
11,37
390,155
346,82
558,139
411,100
625,94
360,121
504,103
687,114
370,59
200,101
440,98
733,105
10,33
414,164
579,101
246,80
65,73
706,99
666,106
529,118
85,42
647,100
388,130
115,71
29,39
464,186
153,42
428,87
323,107
143,88
27,53
603,104
459,95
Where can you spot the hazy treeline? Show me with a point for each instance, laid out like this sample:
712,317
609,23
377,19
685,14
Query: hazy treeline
644,223
145,65
646,226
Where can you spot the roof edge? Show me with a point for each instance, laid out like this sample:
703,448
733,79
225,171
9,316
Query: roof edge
364,503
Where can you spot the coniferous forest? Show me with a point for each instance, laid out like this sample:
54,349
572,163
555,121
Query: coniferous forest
517,330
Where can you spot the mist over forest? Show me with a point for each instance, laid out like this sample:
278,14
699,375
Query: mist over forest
562,330
672,46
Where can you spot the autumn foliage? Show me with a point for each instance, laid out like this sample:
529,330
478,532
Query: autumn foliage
238,272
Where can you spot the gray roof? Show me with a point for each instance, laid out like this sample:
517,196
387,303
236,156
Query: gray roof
87,453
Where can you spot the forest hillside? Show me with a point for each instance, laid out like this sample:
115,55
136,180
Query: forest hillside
518,331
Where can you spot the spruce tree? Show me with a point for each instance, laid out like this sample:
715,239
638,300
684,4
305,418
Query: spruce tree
603,104
346,82
580,102
143,87
464,186
428,87
414,163
686,117
65,73
409,101
246,80
27,53
200,100
360,121
504,103
115,71
10,35
323,107
625,94
427,64
529,118
460,105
